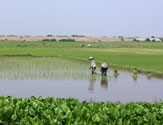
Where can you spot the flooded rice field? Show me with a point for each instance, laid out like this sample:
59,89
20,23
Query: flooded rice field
64,78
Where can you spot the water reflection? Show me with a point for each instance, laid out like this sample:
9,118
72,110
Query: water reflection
92,80
104,82
149,78
115,77
58,77
135,79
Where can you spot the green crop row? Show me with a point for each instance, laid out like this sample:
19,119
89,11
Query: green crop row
39,111
13,44
145,56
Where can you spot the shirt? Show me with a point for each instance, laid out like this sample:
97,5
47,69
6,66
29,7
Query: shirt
93,63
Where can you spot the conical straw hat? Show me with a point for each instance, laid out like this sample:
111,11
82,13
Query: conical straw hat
104,65
91,58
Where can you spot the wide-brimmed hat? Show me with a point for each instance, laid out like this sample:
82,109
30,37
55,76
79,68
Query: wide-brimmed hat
104,65
90,58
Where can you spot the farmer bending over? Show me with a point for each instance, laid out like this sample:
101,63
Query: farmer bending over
104,68
93,65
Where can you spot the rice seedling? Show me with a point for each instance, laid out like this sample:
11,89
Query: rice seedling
42,68
124,54
116,73
135,70
135,74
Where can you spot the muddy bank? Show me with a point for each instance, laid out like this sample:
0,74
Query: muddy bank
17,55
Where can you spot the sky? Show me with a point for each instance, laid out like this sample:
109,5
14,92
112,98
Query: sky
130,18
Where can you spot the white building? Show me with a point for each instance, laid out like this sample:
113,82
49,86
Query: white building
140,39
156,39
151,39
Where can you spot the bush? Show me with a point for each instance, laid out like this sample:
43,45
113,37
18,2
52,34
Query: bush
77,35
23,45
147,40
120,37
161,39
53,40
134,39
46,40
49,40
49,35
81,46
135,69
66,40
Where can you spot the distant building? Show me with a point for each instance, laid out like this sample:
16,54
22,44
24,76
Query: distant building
140,39
155,39
151,39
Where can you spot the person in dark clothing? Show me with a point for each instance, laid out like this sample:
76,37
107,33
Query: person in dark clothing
104,68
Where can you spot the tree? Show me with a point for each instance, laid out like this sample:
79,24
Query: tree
161,39
49,35
120,37
67,40
46,40
77,35
147,40
134,39
53,40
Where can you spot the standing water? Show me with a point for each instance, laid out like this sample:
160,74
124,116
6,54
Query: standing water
64,78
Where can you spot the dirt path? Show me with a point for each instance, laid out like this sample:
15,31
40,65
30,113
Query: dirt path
83,39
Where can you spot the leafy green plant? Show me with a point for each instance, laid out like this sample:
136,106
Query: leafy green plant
71,111
115,71
135,73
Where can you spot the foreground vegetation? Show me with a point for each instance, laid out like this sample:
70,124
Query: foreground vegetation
146,56
70,111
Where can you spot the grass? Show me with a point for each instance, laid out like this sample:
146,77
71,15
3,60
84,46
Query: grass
146,56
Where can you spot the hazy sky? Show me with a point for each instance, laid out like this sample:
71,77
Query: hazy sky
82,17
